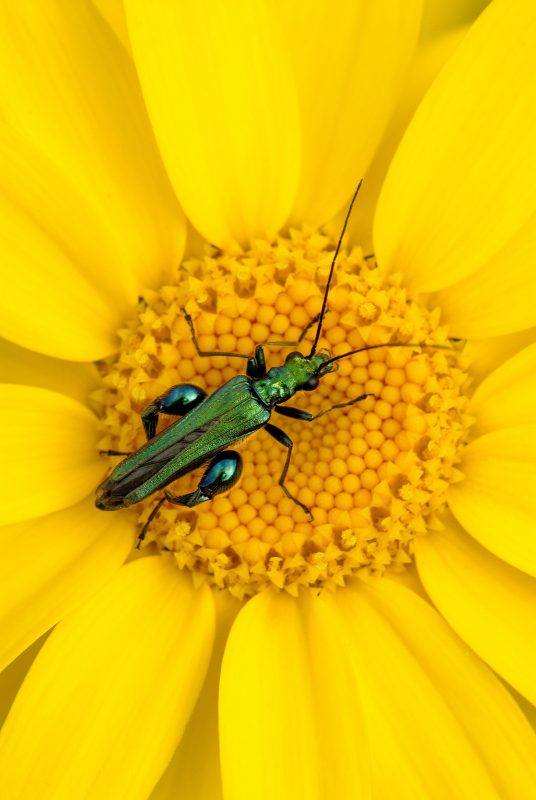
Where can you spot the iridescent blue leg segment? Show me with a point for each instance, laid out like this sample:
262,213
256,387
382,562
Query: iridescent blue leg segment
178,401
221,474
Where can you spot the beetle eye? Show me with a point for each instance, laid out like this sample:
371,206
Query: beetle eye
293,355
311,384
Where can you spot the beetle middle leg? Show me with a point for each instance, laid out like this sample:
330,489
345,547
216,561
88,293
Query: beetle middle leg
283,438
298,413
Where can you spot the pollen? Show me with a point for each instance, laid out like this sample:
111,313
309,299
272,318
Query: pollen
373,474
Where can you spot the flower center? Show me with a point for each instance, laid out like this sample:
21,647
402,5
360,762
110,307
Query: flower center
374,474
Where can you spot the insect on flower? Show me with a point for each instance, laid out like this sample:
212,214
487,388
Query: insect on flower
210,424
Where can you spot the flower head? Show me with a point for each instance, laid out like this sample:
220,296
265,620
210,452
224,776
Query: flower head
279,639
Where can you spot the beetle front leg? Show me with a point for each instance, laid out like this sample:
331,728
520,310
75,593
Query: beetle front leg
221,474
178,401
207,353
256,367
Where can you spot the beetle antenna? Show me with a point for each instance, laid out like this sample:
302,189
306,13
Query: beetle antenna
387,344
339,243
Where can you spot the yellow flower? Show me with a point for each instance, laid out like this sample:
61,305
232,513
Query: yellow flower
329,666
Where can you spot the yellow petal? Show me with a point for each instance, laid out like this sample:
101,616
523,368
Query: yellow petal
88,214
288,705
108,697
424,68
19,365
194,771
497,299
12,676
220,93
439,16
350,61
463,182
488,603
52,564
527,708
508,395
48,452
54,299
488,354
410,579
495,502
114,14
440,723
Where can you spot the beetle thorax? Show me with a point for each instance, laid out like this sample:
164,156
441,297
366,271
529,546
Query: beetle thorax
278,385
281,383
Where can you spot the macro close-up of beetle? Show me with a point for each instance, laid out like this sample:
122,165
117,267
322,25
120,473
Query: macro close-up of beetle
209,424
268,296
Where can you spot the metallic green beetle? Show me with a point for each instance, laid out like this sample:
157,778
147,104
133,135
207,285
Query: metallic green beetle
209,425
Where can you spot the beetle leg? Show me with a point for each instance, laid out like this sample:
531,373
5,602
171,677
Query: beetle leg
344,405
301,336
178,401
256,364
115,453
148,521
297,413
221,474
206,353
281,437
256,367
294,413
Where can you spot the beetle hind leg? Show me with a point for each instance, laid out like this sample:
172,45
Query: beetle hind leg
177,401
221,475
